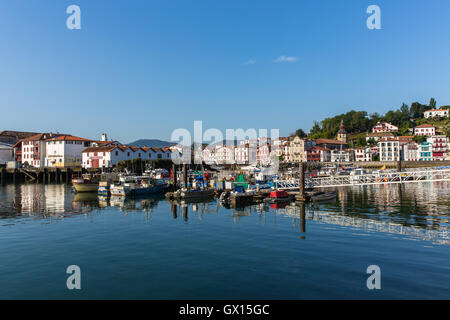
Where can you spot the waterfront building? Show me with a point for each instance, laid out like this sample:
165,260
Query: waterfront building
263,154
377,136
282,148
241,154
342,133
65,151
298,148
224,154
439,145
425,130
436,113
425,151
389,150
363,154
6,153
384,126
342,155
318,154
410,151
34,149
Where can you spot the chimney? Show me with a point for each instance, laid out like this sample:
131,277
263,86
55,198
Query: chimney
104,137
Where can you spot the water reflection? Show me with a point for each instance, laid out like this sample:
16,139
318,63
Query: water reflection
416,209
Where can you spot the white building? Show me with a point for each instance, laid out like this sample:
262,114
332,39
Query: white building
436,113
363,154
425,130
389,150
439,145
6,153
384,127
65,151
342,155
34,149
98,157
410,151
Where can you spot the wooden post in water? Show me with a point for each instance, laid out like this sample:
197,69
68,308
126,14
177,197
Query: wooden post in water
3,176
45,176
184,175
399,166
185,213
58,175
14,175
174,172
68,175
302,220
301,182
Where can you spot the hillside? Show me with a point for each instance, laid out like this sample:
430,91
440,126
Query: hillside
154,143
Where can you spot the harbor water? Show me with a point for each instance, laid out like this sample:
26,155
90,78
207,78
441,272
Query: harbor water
149,248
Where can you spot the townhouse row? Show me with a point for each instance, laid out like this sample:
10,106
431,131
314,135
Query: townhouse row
61,150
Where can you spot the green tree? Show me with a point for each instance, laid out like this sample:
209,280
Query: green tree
432,103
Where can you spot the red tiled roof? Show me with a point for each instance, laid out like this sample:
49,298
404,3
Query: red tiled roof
329,141
99,149
38,137
67,137
426,125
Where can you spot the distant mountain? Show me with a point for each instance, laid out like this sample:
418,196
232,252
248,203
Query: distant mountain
153,143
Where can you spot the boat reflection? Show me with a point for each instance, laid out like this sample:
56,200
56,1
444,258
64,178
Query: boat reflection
420,210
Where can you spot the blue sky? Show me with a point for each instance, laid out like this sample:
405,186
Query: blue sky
140,69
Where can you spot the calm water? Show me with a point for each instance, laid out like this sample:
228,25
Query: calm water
150,249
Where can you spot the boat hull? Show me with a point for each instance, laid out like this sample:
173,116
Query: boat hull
86,187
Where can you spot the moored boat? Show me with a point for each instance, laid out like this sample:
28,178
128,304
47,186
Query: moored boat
85,183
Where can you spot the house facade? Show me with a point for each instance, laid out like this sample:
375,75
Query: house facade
389,150
425,130
384,127
436,113
65,151
439,147
425,151
34,150
363,154
410,151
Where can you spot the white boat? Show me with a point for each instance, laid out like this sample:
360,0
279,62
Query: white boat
136,185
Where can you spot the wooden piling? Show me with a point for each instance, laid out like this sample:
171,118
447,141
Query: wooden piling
174,173
302,218
3,176
184,175
14,176
399,166
301,182
185,213
68,175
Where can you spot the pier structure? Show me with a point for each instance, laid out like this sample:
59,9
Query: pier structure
40,175
369,179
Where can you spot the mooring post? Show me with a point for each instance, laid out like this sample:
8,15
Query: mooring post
68,175
302,220
174,172
3,176
301,181
185,213
44,177
174,211
184,175
399,166
14,175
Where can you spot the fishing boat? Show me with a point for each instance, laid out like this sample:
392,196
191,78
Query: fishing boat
85,183
136,185
196,194
278,196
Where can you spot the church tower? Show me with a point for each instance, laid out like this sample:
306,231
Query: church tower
342,134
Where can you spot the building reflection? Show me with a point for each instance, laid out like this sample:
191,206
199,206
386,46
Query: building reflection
416,209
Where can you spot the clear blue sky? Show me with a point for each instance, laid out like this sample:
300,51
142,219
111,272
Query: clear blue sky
140,69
